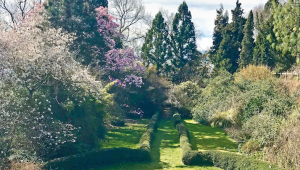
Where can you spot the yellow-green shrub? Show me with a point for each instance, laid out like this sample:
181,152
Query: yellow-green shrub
250,147
254,73
224,119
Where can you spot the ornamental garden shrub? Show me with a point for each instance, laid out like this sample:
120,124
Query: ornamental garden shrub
147,137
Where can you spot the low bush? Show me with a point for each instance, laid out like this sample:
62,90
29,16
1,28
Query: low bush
147,137
99,158
225,119
194,157
226,160
118,122
250,147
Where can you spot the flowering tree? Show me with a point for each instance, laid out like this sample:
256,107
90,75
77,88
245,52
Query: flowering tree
123,65
39,82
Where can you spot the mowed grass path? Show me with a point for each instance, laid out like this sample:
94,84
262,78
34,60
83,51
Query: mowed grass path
208,138
127,136
166,152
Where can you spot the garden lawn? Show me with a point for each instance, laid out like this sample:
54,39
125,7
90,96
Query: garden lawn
166,152
127,136
208,138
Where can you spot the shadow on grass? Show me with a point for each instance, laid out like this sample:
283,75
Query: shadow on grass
128,136
208,138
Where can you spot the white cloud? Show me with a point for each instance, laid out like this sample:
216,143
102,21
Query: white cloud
203,13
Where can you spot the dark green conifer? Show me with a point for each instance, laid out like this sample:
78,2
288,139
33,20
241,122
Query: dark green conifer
231,45
247,43
79,16
220,23
183,41
156,48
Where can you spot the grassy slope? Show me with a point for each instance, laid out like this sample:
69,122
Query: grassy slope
166,152
208,138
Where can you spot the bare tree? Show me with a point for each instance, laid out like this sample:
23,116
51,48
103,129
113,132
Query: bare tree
129,13
13,10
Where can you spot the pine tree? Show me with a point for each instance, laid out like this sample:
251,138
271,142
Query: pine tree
287,28
247,43
183,41
220,22
156,48
79,16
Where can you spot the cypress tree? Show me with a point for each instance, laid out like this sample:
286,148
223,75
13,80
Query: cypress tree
79,16
220,22
264,54
247,43
156,48
183,41
230,47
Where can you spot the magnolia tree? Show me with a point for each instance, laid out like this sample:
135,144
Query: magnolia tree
35,65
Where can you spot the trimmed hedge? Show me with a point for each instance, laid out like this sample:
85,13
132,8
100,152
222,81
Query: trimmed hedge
109,156
147,137
224,160
227,161
98,158
183,132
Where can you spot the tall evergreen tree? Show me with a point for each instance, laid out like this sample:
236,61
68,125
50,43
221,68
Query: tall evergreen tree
156,48
231,45
183,41
247,43
79,17
220,22
264,54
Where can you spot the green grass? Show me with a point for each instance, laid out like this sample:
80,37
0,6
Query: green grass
208,138
166,152
128,136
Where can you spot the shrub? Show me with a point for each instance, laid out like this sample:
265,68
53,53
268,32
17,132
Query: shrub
194,157
147,137
184,97
225,119
254,73
99,158
118,122
263,129
285,151
227,161
220,95
250,147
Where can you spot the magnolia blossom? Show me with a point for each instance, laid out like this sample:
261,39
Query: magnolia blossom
34,58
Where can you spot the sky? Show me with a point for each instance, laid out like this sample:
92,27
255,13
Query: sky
203,13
